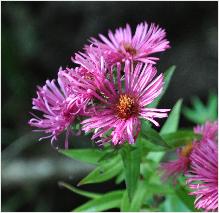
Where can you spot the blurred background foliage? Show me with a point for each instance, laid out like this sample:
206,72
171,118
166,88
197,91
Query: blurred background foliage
39,37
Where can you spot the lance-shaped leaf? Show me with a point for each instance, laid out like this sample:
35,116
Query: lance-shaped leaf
105,171
188,200
125,202
212,106
200,112
174,140
91,195
172,122
86,155
173,203
158,189
149,146
180,138
139,196
167,77
131,162
120,177
171,125
107,201
152,135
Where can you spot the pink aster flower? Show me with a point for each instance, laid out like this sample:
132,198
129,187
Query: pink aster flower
179,166
117,116
59,107
208,130
122,45
92,61
92,70
203,175
82,81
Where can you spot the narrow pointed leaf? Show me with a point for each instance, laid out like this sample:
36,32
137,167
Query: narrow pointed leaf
79,191
107,201
152,135
86,155
188,200
172,122
193,115
105,171
200,113
138,198
125,203
180,138
149,146
212,106
120,177
131,162
172,203
156,188
198,105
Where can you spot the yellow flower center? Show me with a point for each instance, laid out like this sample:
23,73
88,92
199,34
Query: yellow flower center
128,48
186,150
126,106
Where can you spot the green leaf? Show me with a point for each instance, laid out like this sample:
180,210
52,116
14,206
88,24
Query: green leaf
180,138
86,155
125,203
149,146
156,156
152,135
120,177
105,171
131,161
105,202
200,113
159,189
188,200
167,77
173,204
171,124
108,153
139,196
212,106
79,191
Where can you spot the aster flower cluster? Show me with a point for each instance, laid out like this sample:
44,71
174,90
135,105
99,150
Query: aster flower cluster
108,88
198,161
107,93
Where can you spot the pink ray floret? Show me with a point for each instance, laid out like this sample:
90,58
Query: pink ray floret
82,81
59,107
173,169
122,45
208,130
117,116
92,60
203,175
181,165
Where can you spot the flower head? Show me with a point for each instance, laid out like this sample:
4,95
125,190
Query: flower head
92,60
181,165
208,130
91,71
203,175
176,167
122,45
82,82
117,115
59,107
